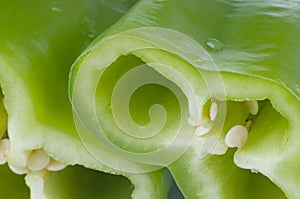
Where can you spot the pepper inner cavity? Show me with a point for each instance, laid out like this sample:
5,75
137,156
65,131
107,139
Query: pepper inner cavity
243,121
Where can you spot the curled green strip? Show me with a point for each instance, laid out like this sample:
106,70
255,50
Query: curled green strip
107,125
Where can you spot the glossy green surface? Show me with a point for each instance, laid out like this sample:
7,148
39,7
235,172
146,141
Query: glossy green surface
259,38
39,42
219,177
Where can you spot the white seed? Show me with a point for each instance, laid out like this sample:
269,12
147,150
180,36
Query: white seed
252,106
213,111
201,127
55,165
18,170
236,136
2,159
38,160
202,130
4,149
193,122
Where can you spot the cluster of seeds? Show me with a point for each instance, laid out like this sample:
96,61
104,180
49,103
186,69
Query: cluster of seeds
38,160
237,135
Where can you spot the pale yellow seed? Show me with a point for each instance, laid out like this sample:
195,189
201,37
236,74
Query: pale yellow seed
193,122
55,165
252,106
4,149
213,111
38,160
236,136
202,130
2,158
18,170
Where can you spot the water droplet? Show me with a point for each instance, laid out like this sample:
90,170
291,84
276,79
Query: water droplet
55,9
297,87
214,44
55,6
86,27
91,35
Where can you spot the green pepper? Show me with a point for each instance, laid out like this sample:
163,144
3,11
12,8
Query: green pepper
39,42
175,83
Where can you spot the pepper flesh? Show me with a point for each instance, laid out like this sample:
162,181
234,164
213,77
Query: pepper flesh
255,52
39,42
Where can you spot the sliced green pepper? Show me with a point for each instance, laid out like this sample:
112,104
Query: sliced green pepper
39,42
184,56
